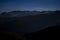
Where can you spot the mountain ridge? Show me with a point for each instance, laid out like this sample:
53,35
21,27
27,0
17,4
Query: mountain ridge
27,13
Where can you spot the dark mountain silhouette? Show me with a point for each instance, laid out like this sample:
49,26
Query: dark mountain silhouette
5,14
31,26
29,23
25,13
57,12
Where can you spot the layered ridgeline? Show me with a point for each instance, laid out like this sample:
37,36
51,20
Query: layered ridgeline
26,13
19,13
28,21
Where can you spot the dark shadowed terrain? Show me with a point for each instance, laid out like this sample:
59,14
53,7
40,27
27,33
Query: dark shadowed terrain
52,32
36,26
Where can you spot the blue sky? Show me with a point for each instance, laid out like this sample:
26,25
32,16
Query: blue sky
11,5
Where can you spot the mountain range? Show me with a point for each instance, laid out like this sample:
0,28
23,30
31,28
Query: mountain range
26,13
28,23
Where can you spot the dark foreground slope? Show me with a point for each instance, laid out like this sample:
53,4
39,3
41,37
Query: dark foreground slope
52,32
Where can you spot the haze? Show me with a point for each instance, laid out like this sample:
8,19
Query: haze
39,5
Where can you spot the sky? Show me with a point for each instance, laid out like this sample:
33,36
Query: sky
39,5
